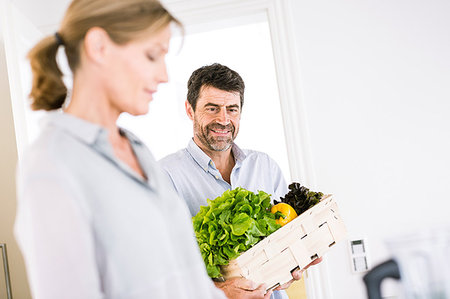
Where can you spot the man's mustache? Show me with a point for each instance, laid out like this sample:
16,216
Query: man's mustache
217,126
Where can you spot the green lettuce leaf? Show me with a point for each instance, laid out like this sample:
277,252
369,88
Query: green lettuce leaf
231,224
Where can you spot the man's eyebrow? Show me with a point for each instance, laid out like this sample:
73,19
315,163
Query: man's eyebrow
211,104
218,106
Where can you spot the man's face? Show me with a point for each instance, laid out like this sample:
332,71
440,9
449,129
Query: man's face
216,118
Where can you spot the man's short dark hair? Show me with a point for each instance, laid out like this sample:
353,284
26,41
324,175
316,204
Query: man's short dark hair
217,76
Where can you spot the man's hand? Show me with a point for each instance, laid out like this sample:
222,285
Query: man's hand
297,274
241,288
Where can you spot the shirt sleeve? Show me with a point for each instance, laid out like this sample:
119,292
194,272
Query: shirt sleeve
168,177
55,236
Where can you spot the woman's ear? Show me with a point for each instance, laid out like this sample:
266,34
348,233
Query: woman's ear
95,45
189,110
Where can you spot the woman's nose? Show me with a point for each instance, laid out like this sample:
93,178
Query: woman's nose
162,76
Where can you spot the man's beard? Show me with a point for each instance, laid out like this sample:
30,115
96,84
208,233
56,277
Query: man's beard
215,143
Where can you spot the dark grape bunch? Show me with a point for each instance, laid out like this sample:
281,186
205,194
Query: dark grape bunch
300,198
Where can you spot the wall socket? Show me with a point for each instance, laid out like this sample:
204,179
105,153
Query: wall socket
359,255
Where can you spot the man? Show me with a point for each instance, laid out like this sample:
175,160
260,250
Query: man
212,163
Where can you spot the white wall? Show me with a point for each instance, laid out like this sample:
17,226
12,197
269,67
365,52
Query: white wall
8,159
376,81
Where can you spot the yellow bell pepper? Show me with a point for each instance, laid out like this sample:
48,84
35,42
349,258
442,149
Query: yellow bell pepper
287,211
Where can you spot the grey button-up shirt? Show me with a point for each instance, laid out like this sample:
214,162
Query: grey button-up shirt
90,227
196,178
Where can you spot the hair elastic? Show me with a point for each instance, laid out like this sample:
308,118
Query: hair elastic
59,39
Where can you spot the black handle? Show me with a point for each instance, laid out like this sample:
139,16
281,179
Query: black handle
375,276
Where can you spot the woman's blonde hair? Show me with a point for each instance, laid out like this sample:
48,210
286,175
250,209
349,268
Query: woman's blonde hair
123,20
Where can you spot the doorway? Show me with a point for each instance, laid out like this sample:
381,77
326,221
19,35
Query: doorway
244,44
245,48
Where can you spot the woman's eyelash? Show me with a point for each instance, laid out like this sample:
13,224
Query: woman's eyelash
150,57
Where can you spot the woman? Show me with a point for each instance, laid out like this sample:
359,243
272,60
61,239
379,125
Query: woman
96,218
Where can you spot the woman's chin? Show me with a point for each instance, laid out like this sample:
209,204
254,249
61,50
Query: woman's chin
139,111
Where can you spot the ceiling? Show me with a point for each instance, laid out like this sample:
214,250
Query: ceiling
47,14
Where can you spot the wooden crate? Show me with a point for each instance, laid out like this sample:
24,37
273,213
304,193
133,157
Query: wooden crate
296,244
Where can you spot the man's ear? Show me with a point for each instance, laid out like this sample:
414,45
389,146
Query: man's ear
189,110
95,45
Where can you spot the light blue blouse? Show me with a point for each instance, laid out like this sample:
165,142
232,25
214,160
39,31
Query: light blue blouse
196,178
90,227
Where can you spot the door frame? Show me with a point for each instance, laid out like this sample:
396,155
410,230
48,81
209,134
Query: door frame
280,20
17,31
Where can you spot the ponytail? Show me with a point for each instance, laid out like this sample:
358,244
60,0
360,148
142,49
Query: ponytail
48,91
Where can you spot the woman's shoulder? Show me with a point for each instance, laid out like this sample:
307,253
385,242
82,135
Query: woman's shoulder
46,152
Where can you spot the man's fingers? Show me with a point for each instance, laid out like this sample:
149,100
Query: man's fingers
241,288
297,274
315,262
268,294
286,285
260,291
242,283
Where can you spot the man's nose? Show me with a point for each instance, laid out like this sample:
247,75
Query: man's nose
222,117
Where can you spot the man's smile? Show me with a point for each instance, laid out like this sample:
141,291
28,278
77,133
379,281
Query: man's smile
220,132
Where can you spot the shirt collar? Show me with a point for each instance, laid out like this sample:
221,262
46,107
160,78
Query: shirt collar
198,155
238,153
86,131
96,137
131,137
204,160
